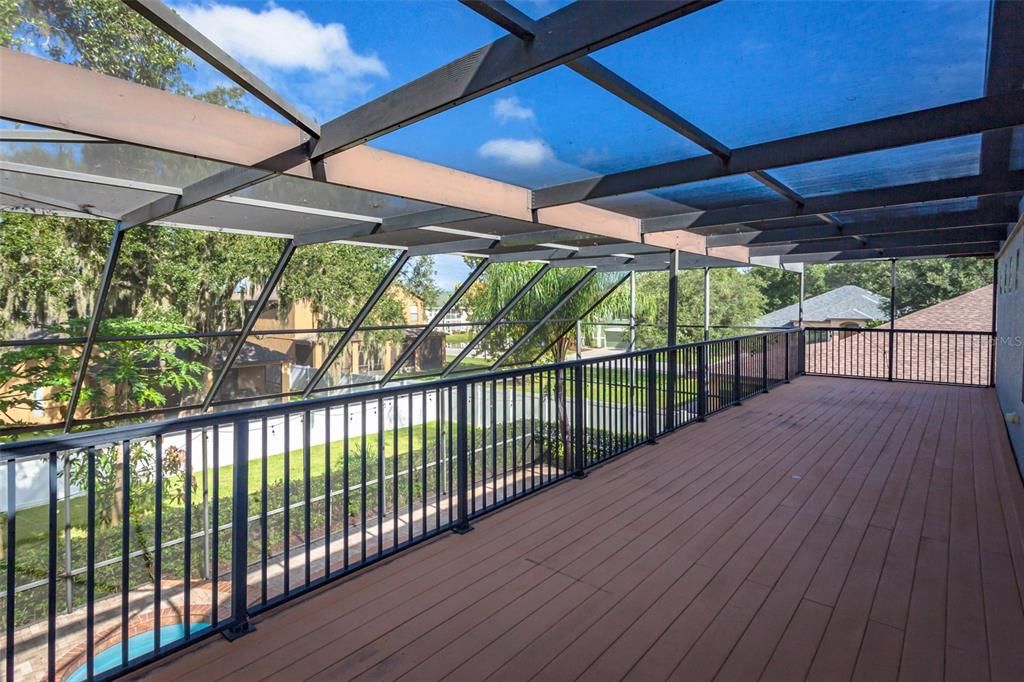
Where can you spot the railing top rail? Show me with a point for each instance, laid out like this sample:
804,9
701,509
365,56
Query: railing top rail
886,330
77,441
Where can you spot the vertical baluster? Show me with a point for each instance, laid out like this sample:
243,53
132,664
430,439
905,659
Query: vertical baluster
286,588
158,540
307,477
187,573
394,473
462,525
346,514
214,570
328,498
90,560
362,482
262,511
12,491
51,569
126,467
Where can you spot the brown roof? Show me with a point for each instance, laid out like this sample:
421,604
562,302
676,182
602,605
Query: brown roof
968,312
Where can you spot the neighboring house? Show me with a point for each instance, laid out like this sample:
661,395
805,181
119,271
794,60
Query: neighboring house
941,357
281,363
454,316
846,307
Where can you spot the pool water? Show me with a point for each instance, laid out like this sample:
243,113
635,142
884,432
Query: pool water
139,645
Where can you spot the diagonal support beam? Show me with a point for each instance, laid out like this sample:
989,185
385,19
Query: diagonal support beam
583,315
353,327
496,320
250,322
561,37
171,23
521,341
106,278
449,305
884,197
937,123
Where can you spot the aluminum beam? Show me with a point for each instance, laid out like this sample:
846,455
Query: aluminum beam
940,251
357,321
884,197
449,305
250,322
496,321
561,37
459,245
962,235
521,341
171,23
874,227
174,123
937,123
519,24
106,278
214,187
84,209
1004,73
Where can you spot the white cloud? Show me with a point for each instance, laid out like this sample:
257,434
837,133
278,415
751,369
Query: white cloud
523,153
281,39
507,109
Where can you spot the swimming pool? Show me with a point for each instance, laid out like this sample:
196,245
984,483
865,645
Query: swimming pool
139,645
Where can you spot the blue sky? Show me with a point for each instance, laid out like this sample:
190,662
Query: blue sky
745,71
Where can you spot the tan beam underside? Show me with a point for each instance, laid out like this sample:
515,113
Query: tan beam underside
45,93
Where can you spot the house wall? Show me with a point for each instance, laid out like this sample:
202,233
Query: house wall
1010,341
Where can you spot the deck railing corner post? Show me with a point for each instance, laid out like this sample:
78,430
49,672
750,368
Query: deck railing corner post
785,337
737,376
579,434
764,363
240,624
652,397
702,382
462,524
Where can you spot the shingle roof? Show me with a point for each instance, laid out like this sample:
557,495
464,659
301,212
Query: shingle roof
843,303
967,312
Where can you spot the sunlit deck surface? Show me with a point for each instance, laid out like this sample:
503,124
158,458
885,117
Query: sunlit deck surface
833,529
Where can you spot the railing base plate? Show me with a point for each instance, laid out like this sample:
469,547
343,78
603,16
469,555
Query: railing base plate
240,630
462,530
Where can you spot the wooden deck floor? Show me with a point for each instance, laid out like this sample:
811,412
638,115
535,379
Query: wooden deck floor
832,529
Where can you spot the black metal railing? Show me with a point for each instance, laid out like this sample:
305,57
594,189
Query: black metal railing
179,529
962,358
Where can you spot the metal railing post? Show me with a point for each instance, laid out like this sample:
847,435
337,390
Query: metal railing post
240,624
702,382
764,363
462,458
785,337
892,316
69,581
736,371
652,398
579,434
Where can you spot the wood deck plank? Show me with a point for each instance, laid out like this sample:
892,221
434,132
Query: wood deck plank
832,529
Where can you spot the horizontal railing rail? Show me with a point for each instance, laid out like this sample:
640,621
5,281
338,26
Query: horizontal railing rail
188,527
962,358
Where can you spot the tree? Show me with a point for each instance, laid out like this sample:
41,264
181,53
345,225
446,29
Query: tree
419,281
736,300
104,36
